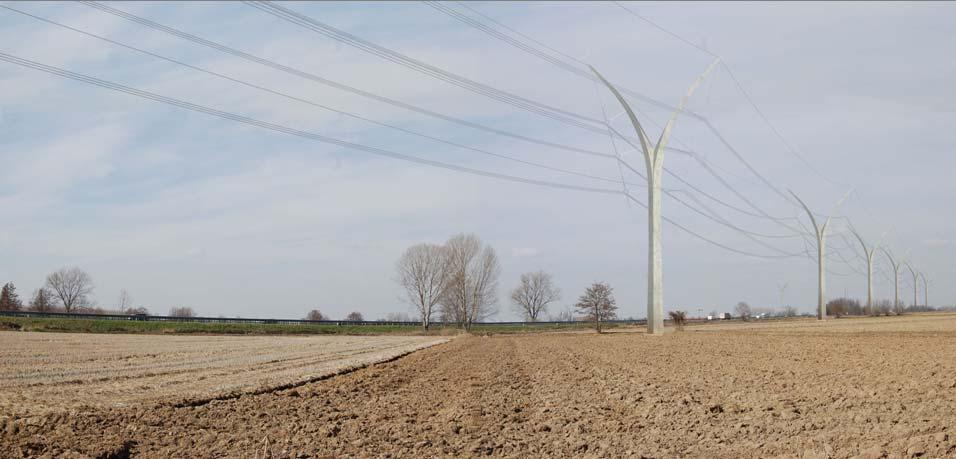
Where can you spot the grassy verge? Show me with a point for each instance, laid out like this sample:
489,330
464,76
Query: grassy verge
508,329
132,326
143,327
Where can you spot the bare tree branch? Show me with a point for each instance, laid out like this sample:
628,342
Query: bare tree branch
314,314
72,286
598,304
125,301
422,273
533,295
471,293
182,312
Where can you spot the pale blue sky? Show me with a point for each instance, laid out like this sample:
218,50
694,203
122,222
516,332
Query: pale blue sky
181,208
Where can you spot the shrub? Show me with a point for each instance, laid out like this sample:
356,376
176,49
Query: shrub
182,312
679,318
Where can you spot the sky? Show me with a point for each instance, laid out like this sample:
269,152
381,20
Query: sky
181,208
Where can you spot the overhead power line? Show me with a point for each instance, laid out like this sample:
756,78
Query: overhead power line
316,104
312,77
365,45
773,128
707,239
590,76
444,8
668,32
520,34
723,222
549,111
329,140
337,85
406,61
288,130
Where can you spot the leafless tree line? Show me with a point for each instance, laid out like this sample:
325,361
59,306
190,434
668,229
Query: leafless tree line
353,316
457,280
181,311
836,307
67,289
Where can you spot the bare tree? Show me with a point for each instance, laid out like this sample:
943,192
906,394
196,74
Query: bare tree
398,317
422,272
789,311
473,270
9,300
679,318
598,304
884,307
314,314
355,317
743,310
72,286
182,312
42,300
533,295
125,301
844,306
564,315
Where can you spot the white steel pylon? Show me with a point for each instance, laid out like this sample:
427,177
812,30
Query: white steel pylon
869,251
654,160
915,275
896,280
821,234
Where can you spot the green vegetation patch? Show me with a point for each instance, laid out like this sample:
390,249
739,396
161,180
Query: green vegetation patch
136,326
201,328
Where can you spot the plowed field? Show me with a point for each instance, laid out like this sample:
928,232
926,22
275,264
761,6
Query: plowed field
882,387
46,372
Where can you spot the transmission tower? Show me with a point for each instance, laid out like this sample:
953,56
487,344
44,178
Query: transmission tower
821,234
654,160
869,252
896,279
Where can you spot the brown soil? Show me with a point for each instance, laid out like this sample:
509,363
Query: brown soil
839,389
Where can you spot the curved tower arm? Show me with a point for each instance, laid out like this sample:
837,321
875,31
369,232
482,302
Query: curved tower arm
641,134
889,256
812,218
666,133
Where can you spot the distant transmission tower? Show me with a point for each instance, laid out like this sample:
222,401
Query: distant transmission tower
869,251
821,234
915,275
896,279
782,288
